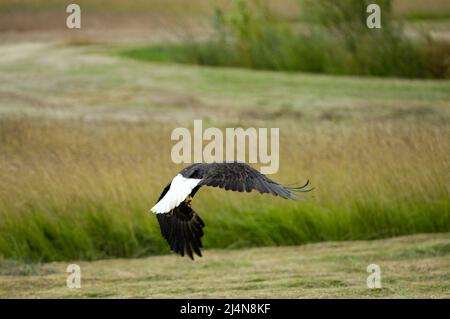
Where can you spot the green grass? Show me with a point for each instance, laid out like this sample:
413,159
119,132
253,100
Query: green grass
336,41
157,53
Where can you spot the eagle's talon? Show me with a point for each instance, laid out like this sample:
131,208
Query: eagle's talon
188,200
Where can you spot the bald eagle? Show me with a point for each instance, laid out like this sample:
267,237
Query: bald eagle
181,226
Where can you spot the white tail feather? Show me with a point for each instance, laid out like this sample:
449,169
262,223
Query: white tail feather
179,189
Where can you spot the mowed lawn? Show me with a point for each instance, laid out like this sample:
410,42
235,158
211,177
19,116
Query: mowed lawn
411,267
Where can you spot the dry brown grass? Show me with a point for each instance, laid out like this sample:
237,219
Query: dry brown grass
106,176
122,163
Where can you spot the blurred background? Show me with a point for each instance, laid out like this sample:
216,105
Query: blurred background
86,116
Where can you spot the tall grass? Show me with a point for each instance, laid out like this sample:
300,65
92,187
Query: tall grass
333,39
71,190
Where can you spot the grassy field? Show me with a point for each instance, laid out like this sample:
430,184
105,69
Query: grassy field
86,152
411,267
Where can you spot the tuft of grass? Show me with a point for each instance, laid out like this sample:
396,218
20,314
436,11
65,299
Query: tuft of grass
442,249
19,268
157,53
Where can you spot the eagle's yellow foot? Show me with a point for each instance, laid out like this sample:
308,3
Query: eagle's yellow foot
188,200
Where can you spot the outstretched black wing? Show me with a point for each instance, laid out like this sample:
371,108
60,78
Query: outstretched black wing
183,229
239,177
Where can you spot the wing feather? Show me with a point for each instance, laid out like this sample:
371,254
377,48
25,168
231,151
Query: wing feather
241,177
182,229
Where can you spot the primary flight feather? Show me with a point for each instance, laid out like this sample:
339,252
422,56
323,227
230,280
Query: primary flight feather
180,225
